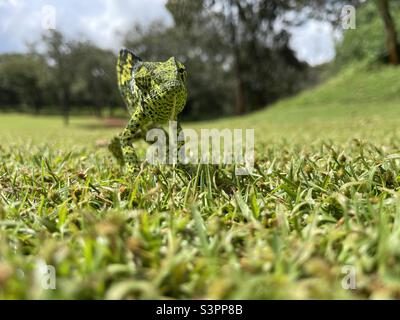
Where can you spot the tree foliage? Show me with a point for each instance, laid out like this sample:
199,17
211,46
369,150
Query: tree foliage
58,75
367,41
22,81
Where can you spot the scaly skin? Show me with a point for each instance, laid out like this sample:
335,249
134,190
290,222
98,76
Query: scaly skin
154,93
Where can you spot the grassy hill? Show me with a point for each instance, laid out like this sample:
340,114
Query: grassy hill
324,200
358,93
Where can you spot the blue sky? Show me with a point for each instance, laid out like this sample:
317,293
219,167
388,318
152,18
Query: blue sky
102,21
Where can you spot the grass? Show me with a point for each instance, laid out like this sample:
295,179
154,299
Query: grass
324,197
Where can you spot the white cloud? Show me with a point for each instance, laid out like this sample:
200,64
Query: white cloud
119,15
314,42
97,20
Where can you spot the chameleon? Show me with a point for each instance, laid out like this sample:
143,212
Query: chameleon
154,93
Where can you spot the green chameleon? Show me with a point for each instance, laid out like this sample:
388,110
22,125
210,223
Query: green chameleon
154,93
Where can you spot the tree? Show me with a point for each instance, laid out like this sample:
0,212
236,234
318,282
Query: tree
94,82
367,42
265,67
22,80
392,45
81,74
329,7
57,54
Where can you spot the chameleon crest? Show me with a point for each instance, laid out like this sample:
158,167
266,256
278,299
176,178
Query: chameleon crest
126,67
154,93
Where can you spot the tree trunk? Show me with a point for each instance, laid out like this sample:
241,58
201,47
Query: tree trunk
391,33
97,107
240,103
66,114
37,106
111,109
65,106
37,101
240,106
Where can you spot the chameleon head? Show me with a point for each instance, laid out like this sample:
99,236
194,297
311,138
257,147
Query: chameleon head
159,85
163,83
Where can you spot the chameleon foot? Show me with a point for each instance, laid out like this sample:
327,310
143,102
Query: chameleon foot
115,148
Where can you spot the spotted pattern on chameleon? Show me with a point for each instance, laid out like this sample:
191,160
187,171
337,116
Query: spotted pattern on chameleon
154,93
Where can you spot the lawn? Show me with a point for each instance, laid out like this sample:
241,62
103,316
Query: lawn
322,205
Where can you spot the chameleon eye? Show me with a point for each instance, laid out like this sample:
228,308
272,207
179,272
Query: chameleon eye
182,73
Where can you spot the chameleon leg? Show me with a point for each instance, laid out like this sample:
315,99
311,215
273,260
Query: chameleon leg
181,144
115,148
179,130
127,136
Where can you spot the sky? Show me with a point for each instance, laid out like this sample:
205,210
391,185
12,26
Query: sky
103,21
